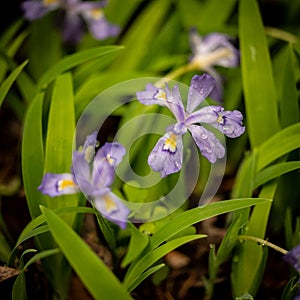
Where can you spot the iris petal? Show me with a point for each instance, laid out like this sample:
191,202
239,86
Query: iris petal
58,184
112,208
166,156
210,147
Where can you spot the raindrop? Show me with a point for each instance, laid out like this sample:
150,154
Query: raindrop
204,136
177,165
208,150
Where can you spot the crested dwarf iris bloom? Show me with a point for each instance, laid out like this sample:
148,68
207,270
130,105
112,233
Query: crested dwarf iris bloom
77,13
93,174
166,156
212,50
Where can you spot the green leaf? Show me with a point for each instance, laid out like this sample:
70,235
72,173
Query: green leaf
44,45
107,231
4,249
140,35
152,256
199,13
229,240
143,276
274,171
97,278
11,49
25,84
35,227
59,141
6,85
73,60
289,107
258,85
199,214
9,34
19,288
281,143
33,155
137,238
244,183
249,264
28,230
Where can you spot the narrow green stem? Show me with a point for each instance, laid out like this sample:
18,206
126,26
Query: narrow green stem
263,242
176,73
282,35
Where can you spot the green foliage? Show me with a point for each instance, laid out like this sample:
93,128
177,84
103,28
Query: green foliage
84,261
49,85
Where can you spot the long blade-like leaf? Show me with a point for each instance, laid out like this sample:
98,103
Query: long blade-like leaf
257,76
152,256
198,214
97,278
33,155
73,60
6,85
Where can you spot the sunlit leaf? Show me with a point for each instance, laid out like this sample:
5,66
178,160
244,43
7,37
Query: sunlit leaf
258,84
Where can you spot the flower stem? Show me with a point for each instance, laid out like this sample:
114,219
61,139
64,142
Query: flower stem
263,242
282,35
176,73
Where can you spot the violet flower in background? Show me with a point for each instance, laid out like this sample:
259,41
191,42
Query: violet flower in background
293,258
93,174
214,49
166,156
77,15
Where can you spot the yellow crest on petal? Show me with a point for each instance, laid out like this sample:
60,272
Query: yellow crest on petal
50,2
110,205
170,143
65,183
97,13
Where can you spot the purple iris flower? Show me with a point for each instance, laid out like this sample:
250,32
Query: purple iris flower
77,13
93,174
214,49
166,156
293,257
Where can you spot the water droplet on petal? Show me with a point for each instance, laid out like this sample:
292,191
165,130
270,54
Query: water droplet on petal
177,165
204,136
208,150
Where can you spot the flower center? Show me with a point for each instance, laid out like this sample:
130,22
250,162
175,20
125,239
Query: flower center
170,143
109,159
96,13
50,2
220,119
160,95
64,184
